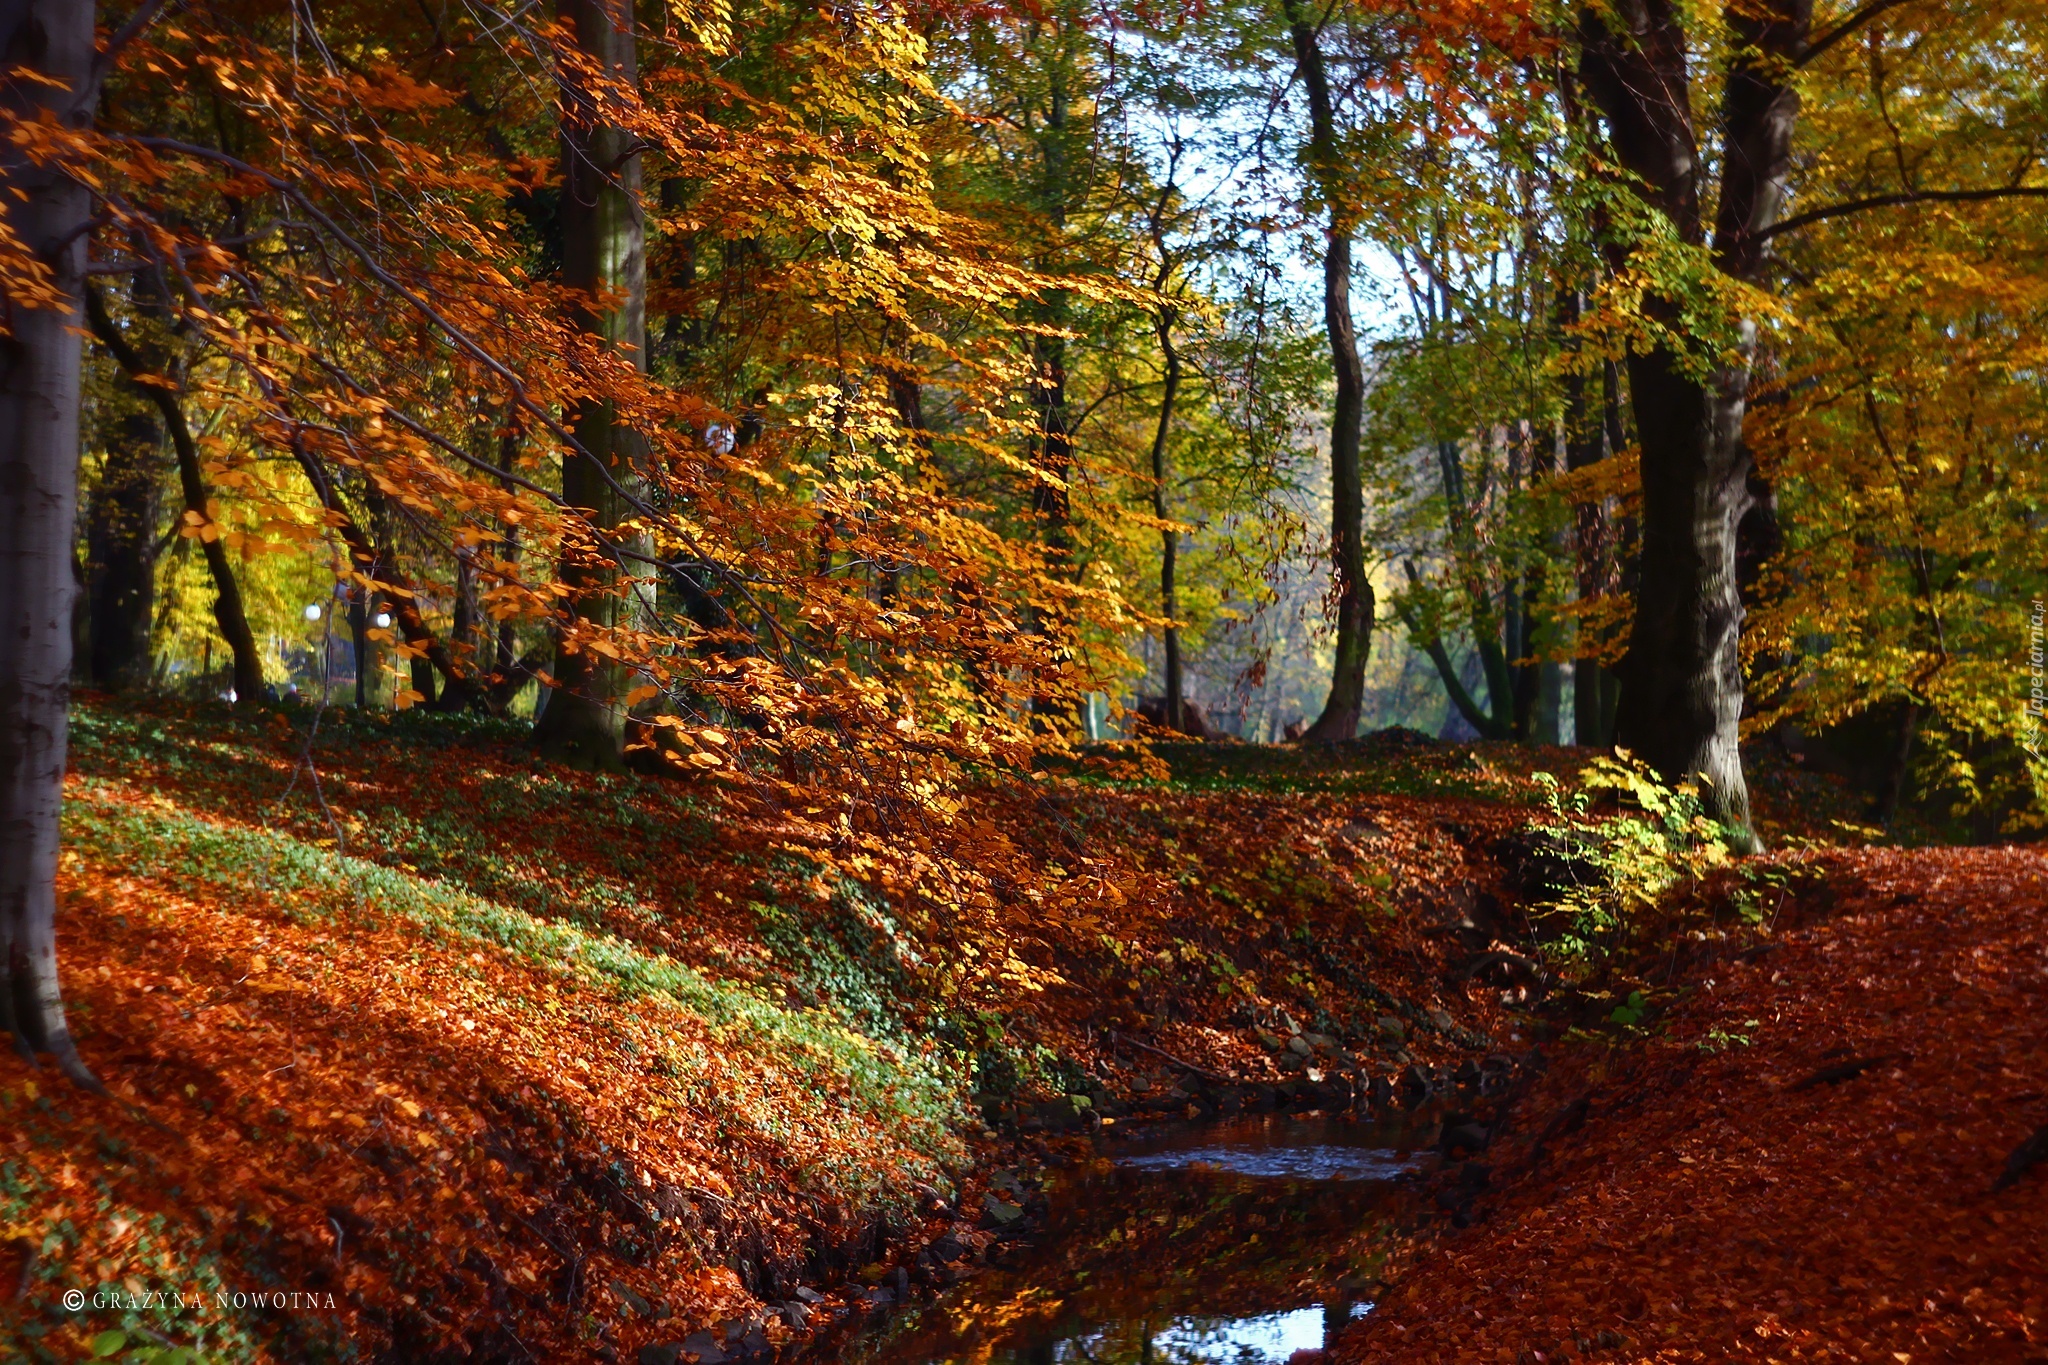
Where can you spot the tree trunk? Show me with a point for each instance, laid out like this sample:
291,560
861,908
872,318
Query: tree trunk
1900,769
1623,543
604,253
1174,708
906,395
359,643
1586,444
1487,723
122,521
1681,703
1537,679
1051,505
40,369
1051,495
1352,589
228,612
422,673
1681,698
1490,626
120,553
377,559
1461,696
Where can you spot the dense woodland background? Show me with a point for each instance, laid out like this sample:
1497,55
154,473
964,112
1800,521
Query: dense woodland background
808,372
959,363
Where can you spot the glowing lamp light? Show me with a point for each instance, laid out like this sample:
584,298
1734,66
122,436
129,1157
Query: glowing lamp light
312,611
382,620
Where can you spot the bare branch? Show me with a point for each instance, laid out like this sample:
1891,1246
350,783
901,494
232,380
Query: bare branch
476,351
1885,201
1845,28
144,16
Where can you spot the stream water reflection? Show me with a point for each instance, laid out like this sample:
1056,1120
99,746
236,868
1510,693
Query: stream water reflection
1235,1244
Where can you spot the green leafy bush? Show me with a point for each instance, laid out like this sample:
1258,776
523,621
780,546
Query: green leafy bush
1610,869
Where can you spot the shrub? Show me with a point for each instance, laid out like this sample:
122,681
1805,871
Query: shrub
1611,869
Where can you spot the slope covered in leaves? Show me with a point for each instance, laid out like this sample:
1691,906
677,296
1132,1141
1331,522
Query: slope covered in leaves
507,1059
446,1119
1801,1159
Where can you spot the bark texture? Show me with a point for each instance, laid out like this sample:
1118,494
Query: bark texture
1051,495
1681,701
604,254
1355,606
1174,699
121,528
1587,442
40,365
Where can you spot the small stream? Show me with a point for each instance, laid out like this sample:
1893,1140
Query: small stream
1241,1243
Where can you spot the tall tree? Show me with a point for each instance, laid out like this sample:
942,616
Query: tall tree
1169,535
1681,699
1169,287
1590,437
1355,606
143,364
604,256
50,77
121,524
121,551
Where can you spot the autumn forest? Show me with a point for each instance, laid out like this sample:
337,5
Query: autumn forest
1310,681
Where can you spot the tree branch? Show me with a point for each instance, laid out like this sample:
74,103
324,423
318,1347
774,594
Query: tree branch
144,16
229,613
1883,201
515,386
1845,28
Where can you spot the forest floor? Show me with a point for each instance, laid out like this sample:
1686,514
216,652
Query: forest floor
1830,1143
481,1059
497,1060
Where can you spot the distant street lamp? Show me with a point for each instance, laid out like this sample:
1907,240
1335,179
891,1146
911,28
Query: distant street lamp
383,620
312,611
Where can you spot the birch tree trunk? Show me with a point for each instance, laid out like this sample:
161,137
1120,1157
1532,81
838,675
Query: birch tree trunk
40,366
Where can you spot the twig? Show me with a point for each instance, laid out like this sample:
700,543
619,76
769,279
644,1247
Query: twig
1115,1038
1849,1070
28,1267
2028,1154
